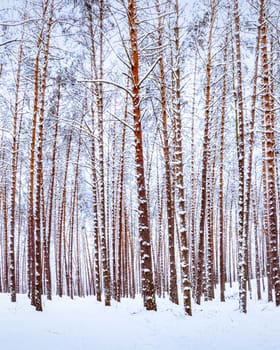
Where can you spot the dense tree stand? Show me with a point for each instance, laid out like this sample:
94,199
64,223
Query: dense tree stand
139,151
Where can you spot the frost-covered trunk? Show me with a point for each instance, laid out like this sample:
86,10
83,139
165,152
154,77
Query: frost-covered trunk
34,263
99,205
80,285
179,168
47,265
193,238
73,222
11,271
205,163
121,210
242,235
112,206
38,217
148,290
96,36
39,183
221,179
173,289
100,112
160,269
95,217
60,236
210,260
30,254
257,250
95,211
247,195
269,159
5,285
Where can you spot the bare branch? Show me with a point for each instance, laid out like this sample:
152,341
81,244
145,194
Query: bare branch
149,71
109,82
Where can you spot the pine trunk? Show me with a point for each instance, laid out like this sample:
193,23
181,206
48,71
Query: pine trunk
148,290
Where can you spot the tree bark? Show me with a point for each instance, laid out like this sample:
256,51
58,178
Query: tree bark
242,235
148,290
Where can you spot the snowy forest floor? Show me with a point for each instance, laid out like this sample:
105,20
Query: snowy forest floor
84,324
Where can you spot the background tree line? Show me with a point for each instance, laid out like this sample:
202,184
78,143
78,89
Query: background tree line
139,149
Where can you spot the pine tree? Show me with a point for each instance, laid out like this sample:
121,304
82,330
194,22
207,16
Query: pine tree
148,290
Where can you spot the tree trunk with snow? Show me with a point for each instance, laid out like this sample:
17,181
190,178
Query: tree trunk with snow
205,163
221,179
11,271
173,289
148,290
242,235
178,166
269,158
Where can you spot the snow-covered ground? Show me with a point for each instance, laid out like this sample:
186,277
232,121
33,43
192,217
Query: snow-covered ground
84,324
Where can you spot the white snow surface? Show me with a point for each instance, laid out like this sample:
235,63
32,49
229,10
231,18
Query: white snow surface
84,324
